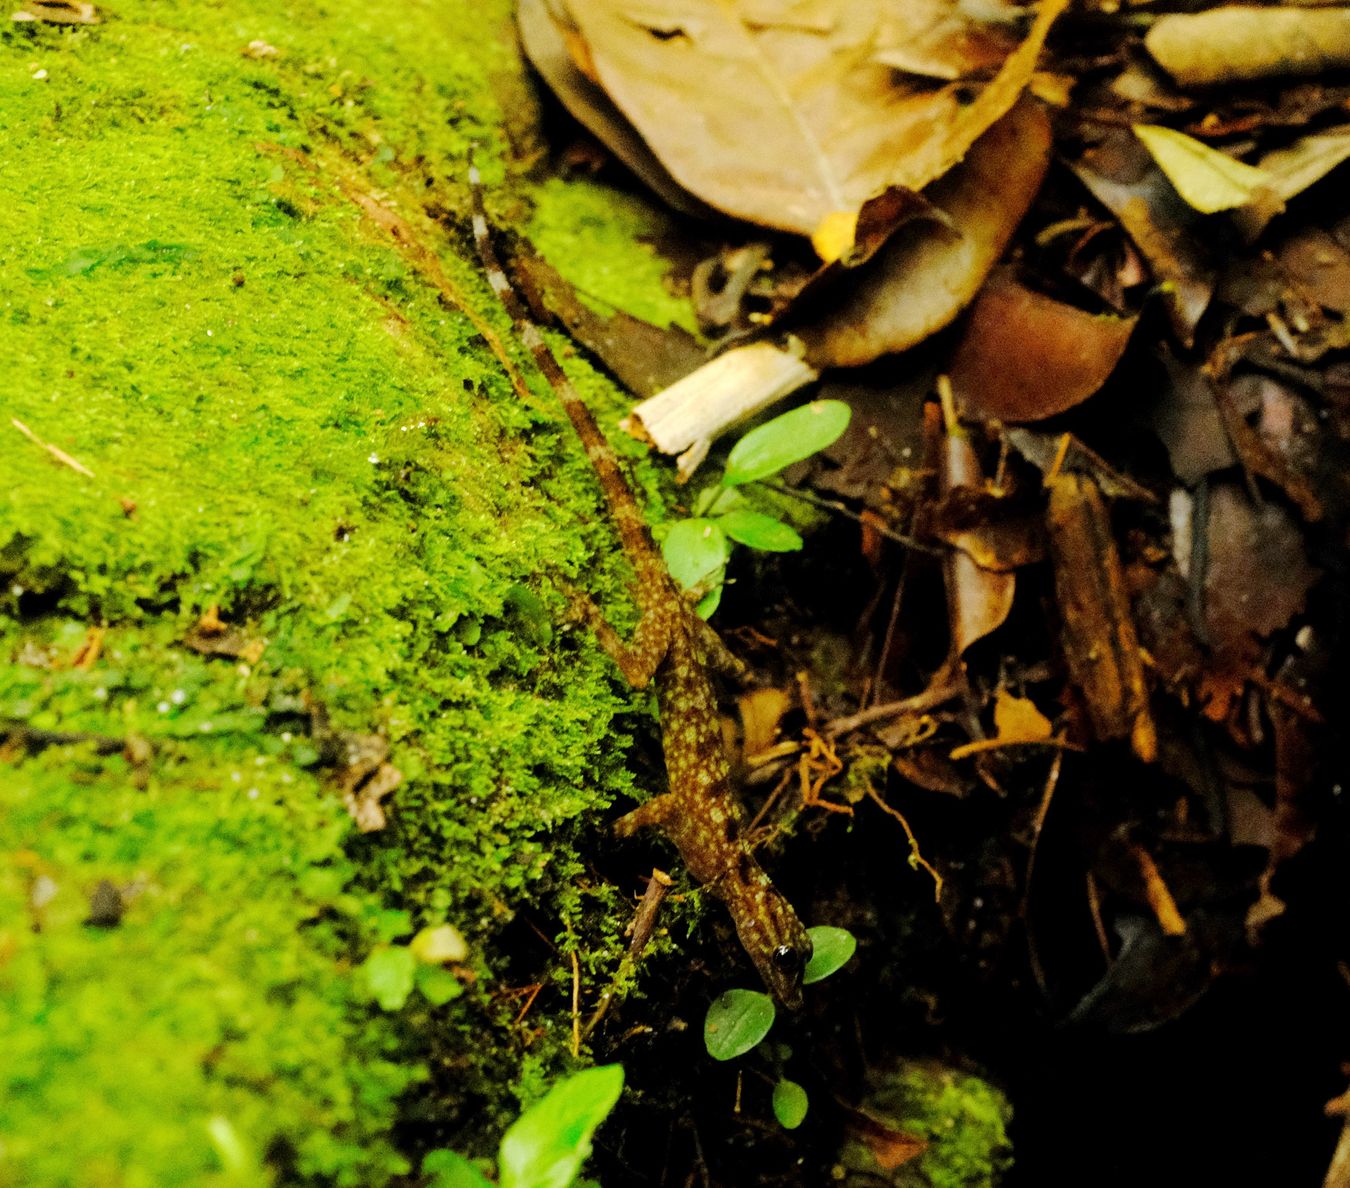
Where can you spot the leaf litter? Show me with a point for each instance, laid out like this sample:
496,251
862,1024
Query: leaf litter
1094,575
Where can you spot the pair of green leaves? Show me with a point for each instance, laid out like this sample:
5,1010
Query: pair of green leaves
696,550
740,1019
391,972
546,1146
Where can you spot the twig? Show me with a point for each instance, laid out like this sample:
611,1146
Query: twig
915,858
644,924
843,509
37,740
576,1005
930,698
55,451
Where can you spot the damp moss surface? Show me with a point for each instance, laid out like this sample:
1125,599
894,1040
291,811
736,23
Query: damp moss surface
242,388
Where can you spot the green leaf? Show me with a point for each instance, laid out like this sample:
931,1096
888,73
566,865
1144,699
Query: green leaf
391,923
438,986
546,1146
736,1022
831,949
388,974
784,440
758,531
1207,179
790,1104
695,553
449,1169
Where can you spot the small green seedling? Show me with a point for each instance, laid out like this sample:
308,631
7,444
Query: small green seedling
697,550
739,1020
546,1146
391,972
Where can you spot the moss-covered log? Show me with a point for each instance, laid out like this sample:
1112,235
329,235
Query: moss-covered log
267,491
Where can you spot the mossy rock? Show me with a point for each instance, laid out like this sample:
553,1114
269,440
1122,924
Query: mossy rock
933,1126
271,491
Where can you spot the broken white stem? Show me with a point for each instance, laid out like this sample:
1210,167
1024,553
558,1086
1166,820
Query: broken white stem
688,416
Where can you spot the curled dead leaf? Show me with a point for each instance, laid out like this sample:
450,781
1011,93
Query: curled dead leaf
1025,356
926,274
978,600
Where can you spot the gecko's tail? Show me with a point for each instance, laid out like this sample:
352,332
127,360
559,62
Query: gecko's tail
628,519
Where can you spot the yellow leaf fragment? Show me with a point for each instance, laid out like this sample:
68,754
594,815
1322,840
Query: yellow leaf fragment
833,235
1016,719
1207,179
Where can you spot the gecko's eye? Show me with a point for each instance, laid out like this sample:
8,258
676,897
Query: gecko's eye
787,960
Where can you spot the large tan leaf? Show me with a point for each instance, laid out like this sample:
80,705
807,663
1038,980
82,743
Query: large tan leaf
544,40
779,111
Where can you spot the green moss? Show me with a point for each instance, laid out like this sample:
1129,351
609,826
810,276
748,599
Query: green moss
284,419
601,240
962,1118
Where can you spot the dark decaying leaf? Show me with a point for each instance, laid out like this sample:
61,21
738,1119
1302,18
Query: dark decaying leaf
1187,420
995,531
784,121
1063,453
1256,579
1096,627
1025,356
1124,178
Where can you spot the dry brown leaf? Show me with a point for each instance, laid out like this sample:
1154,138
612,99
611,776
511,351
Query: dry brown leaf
1096,627
1025,356
936,39
926,274
1238,42
1256,580
546,45
782,121
915,282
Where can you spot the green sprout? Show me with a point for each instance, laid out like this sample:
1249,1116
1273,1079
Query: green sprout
697,550
739,1020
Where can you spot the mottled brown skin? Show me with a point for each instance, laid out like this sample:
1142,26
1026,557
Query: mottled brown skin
675,647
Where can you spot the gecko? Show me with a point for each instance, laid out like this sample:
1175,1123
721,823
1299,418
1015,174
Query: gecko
675,648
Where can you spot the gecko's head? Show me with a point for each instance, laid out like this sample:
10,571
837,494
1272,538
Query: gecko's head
780,950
